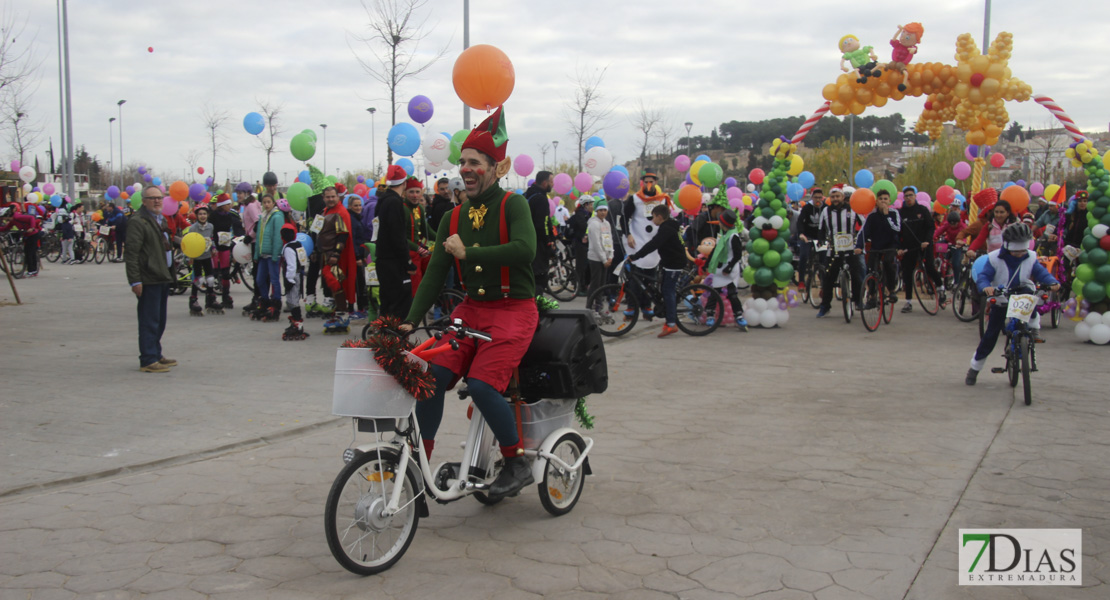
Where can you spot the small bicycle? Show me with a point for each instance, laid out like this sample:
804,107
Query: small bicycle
1020,349
616,306
378,498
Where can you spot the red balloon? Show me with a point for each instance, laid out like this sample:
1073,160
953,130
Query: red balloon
756,176
997,160
1104,242
150,49
200,170
945,195
771,234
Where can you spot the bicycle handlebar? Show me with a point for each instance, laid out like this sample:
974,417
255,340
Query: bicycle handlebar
460,330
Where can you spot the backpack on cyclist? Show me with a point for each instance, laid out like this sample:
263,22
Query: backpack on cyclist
566,359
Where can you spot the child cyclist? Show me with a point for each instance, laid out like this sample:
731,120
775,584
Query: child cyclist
672,258
204,276
1015,268
723,265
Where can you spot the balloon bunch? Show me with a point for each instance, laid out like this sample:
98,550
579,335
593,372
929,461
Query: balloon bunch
1094,328
770,262
768,313
1092,276
303,145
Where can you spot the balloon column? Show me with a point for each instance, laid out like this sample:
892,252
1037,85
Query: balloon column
770,262
1092,278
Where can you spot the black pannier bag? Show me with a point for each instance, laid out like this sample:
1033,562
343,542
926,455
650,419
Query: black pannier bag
566,359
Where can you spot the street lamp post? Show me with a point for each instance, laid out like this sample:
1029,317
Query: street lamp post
555,144
120,106
373,142
688,126
324,126
543,151
111,147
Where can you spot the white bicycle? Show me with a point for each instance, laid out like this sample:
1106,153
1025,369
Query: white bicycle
381,493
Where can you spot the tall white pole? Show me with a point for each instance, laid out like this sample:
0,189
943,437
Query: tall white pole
466,44
987,27
62,108
71,184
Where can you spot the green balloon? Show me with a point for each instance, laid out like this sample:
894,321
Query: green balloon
768,212
1105,219
456,146
302,147
756,260
310,133
768,195
1096,257
776,205
1102,274
885,184
760,245
764,277
1085,272
136,201
1090,242
332,179
297,195
784,271
778,245
781,284
1077,286
1098,212
787,256
711,175
950,182
1094,291
749,274
753,233
782,213
771,259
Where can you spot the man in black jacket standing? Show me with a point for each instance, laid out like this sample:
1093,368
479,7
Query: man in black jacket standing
392,260
576,234
917,238
540,208
441,204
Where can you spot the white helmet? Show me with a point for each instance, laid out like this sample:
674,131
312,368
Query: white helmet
456,185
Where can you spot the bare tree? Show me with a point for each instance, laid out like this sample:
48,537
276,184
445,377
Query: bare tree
646,119
544,149
24,129
271,112
17,60
192,159
587,112
1047,154
214,119
396,30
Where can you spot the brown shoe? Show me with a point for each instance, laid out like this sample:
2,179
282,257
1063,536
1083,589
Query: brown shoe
155,367
667,330
169,362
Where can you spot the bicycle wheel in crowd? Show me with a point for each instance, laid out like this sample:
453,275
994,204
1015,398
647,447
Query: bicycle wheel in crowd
871,299
964,303
813,287
926,292
100,250
15,259
563,278
700,310
616,309
1057,310
51,247
888,300
1013,360
844,287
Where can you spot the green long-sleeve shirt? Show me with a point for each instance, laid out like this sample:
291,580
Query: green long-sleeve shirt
416,226
485,255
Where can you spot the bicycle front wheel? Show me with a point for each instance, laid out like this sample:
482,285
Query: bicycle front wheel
887,304
872,301
361,536
1057,310
1024,348
615,308
964,302
700,310
926,292
560,490
844,285
564,278
813,288
51,248
100,250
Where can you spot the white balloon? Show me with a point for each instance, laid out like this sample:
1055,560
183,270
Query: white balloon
27,173
241,253
759,222
1100,334
1083,331
1099,230
1092,319
437,147
759,305
138,187
597,161
768,319
27,188
776,222
751,187
753,317
782,317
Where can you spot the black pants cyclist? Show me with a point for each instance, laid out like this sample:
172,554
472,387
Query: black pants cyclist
833,272
890,281
910,260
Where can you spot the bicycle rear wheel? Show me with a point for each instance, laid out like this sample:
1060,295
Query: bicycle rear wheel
813,287
887,309
926,292
700,310
1013,360
871,299
844,288
963,305
51,248
563,277
1057,310
1026,352
100,250
615,308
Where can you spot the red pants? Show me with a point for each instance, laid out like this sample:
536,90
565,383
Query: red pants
511,322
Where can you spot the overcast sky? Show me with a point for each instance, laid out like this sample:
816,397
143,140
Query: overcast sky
707,62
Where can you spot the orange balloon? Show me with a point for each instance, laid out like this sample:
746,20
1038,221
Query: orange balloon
97,217
1018,198
124,195
689,198
183,209
863,201
483,77
179,190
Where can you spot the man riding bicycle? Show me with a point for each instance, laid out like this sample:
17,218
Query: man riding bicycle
838,224
1015,268
491,241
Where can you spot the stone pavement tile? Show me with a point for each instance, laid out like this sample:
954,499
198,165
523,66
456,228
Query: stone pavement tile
669,582
233,582
182,594
597,578
47,594
160,581
45,579
104,581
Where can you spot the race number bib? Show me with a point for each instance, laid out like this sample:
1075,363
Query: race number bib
77,228
302,257
105,230
1021,307
650,205
371,275
317,224
224,237
607,242
843,242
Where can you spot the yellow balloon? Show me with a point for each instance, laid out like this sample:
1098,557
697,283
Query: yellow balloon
797,165
1106,160
1050,191
694,169
193,244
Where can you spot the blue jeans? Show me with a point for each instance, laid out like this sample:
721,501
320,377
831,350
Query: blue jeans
152,321
669,289
269,275
498,413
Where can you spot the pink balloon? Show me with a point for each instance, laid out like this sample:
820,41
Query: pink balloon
169,207
1037,188
15,165
554,202
48,189
898,202
562,183
735,193
583,182
923,198
523,165
961,170
967,153
681,163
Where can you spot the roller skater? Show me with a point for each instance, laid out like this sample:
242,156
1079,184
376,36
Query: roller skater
271,312
339,323
211,305
227,225
194,307
295,332
293,261
203,273
312,309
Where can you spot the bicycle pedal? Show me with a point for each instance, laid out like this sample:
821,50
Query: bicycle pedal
1036,341
998,370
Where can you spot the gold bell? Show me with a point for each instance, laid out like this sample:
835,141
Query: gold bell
476,244
478,269
481,291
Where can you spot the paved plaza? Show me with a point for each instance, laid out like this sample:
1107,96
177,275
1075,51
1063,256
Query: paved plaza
815,461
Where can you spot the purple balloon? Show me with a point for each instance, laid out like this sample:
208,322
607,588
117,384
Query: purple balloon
142,170
112,192
197,192
420,109
361,179
130,190
615,184
531,182
730,182
1021,182
208,181
971,152
1037,188
147,177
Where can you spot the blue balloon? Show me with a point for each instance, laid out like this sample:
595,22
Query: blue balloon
404,139
795,191
407,165
254,123
806,179
1007,184
305,177
703,157
56,200
594,142
373,192
622,170
157,181
306,242
864,178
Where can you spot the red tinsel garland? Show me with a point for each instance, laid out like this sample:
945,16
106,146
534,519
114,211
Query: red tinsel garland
390,352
